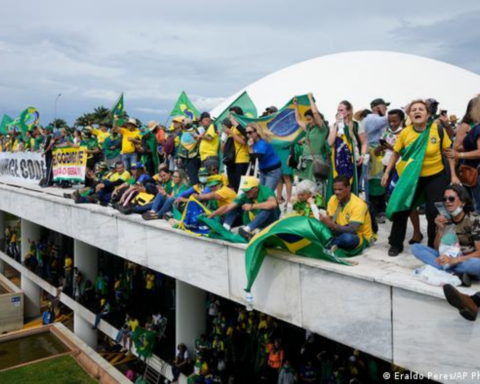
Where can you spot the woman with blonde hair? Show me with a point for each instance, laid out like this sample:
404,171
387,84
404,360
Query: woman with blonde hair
261,149
348,147
422,174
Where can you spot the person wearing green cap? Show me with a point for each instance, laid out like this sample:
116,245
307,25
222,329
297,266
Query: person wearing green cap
220,194
167,193
258,205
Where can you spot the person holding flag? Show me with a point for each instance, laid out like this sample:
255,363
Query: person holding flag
130,137
422,174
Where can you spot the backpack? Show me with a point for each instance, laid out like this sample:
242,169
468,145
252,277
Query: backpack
229,152
169,148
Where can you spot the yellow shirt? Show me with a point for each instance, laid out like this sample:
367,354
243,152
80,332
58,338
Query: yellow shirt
355,211
150,281
432,163
209,148
101,136
241,151
68,263
133,324
124,176
128,146
227,196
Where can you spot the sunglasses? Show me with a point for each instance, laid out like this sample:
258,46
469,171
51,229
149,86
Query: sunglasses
250,132
451,199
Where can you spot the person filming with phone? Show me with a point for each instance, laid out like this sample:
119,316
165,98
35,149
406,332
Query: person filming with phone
457,242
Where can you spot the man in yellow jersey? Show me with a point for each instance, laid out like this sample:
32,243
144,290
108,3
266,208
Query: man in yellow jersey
348,217
208,138
130,137
101,133
220,194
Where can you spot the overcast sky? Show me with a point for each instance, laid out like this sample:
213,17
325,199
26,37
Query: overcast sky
90,51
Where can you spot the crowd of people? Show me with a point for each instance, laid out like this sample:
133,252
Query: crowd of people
349,175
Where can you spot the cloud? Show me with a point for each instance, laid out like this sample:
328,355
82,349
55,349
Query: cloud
92,51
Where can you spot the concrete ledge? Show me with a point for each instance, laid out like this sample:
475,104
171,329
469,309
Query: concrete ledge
11,306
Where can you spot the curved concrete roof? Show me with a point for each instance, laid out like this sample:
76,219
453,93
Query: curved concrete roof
363,76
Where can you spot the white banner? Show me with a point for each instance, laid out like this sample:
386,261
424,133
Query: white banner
25,167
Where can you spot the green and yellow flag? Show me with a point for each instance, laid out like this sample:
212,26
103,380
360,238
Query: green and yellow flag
409,169
144,341
282,124
243,101
29,118
298,235
6,121
118,110
184,107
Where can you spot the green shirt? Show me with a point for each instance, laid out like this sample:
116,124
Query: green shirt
167,186
178,189
264,193
110,141
37,142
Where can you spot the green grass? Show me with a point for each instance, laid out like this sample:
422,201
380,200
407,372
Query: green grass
62,370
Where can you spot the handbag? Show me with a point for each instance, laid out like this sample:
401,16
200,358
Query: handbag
321,169
468,175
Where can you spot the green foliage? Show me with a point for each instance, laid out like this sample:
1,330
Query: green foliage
53,371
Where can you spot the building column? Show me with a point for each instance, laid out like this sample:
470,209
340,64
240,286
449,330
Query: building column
30,231
31,293
190,321
85,258
83,329
30,290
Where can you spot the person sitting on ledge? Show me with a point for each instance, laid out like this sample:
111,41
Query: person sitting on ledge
220,194
258,204
463,258
348,218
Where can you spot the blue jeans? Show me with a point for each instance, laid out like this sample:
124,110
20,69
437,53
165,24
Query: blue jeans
262,220
271,179
104,197
346,241
128,159
429,255
364,181
476,196
142,208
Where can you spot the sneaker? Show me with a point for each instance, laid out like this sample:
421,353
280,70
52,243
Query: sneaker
67,195
465,279
381,219
394,251
246,235
464,303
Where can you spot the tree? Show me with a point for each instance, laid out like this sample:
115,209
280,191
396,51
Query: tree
84,120
58,123
101,115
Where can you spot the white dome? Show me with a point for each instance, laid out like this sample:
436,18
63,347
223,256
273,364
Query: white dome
360,77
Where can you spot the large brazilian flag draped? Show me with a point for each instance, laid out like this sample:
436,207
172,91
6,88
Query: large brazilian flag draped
194,220
409,169
29,118
184,107
144,341
298,235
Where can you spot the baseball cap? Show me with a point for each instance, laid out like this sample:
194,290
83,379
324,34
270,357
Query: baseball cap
272,109
137,165
214,180
249,183
377,102
178,119
203,171
204,115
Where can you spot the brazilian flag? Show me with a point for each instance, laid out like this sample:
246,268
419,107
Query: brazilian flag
409,169
6,121
243,101
184,107
118,110
298,235
28,119
194,220
282,125
144,341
